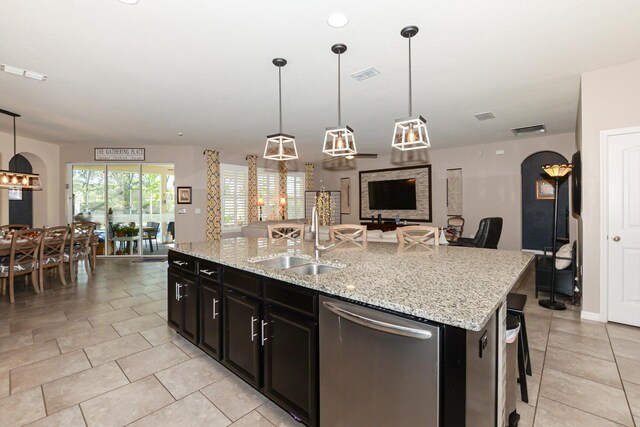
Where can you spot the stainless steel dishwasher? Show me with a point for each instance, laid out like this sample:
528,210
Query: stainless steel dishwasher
376,369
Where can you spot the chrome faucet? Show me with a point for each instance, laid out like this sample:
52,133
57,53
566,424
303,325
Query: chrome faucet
315,227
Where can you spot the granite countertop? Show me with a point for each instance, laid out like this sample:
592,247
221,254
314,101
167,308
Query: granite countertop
453,285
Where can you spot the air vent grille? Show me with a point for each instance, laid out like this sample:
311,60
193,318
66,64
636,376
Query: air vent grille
484,116
529,130
365,74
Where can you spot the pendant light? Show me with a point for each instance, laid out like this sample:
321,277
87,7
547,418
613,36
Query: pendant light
280,146
339,140
15,180
410,133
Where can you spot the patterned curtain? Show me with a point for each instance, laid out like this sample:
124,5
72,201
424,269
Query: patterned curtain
214,218
252,201
282,181
308,176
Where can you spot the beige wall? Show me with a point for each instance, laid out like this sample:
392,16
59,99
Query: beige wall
44,158
491,182
610,99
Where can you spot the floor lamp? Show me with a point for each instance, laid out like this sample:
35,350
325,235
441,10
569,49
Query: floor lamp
556,172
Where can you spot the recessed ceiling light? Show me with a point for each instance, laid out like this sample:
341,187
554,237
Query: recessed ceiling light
180,134
338,20
129,2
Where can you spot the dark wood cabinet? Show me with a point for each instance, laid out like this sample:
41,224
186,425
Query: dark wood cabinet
384,226
211,317
291,362
242,335
182,303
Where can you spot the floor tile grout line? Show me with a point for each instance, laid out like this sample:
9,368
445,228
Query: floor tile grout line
624,389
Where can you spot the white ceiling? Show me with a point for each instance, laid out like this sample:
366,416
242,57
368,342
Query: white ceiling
132,75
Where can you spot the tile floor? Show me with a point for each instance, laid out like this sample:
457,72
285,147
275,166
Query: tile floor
99,353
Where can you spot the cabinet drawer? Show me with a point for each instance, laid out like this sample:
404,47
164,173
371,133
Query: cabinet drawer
245,282
291,297
182,261
209,270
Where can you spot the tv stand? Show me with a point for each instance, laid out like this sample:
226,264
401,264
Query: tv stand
385,226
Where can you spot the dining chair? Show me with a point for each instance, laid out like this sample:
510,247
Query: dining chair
52,252
285,231
79,248
417,235
354,233
151,235
22,259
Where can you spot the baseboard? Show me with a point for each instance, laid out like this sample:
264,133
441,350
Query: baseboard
590,315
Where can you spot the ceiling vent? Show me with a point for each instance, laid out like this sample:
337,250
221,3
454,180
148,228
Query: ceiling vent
365,74
484,116
529,130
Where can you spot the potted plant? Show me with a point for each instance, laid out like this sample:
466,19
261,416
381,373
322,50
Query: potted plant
118,230
130,230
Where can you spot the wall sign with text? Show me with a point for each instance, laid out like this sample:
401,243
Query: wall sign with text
119,154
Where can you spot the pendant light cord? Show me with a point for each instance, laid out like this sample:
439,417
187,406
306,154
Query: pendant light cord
410,91
280,94
339,103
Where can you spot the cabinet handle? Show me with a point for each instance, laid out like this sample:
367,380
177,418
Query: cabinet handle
253,319
264,337
178,296
180,263
215,301
209,273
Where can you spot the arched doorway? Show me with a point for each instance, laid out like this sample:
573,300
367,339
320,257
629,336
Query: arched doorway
537,211
21,207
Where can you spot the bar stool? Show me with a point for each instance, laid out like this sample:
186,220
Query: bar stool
515,307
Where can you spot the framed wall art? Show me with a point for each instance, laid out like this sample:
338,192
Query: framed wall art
183,195
545,190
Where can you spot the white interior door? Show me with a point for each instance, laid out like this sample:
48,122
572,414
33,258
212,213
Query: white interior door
624,228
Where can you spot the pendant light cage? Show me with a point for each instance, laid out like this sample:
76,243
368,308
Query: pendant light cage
14,180
339,141
280,146
410,133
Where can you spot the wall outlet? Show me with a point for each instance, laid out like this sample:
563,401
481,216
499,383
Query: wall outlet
196,211
499,152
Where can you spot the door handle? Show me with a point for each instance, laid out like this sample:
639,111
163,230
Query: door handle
180,263
178,296
215,301
616,238
264,338
253,335
389,328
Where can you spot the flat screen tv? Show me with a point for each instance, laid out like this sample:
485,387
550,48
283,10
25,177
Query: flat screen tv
392,195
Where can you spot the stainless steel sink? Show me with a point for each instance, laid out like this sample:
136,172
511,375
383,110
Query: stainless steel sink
283,262
312,269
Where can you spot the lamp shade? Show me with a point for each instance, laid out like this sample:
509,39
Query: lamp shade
558,170
260,201
280,147
410,133
283,201
339,141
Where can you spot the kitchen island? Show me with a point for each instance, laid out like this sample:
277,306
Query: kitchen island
223,298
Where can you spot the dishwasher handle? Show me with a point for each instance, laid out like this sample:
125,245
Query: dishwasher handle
389,328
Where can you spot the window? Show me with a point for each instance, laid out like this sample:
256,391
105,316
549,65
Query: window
295,195
235,195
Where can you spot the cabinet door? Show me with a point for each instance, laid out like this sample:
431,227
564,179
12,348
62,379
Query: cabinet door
210,317
188,294
291,363
242,335
174,307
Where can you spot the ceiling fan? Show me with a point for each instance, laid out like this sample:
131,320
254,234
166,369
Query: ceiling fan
349,158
